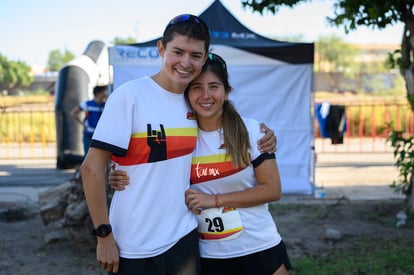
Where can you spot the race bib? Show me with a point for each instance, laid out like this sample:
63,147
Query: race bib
218,224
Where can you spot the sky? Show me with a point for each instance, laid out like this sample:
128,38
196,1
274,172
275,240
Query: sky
30,29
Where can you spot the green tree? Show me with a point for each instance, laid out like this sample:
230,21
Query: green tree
123,41
352,14
335,55
14,74
58,59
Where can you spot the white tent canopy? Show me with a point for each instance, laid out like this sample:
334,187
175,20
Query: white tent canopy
271,80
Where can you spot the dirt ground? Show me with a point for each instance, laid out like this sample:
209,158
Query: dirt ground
308,228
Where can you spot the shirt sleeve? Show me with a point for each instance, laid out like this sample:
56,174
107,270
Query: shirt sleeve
83,106
114,128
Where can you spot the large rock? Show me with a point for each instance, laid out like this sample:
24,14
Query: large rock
64,207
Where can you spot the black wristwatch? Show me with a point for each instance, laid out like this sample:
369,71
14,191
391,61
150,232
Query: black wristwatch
102,230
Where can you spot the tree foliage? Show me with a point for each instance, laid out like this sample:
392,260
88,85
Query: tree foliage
270,5
14,74
335,55
58,59
124,41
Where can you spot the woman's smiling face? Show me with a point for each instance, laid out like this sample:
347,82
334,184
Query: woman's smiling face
206,95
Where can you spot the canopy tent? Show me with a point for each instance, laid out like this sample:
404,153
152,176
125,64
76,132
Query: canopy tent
271,80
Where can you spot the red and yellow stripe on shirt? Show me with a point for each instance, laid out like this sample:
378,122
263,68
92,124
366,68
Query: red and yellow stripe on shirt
206,168
179,142
219,235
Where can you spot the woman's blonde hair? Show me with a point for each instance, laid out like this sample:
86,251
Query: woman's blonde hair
236,136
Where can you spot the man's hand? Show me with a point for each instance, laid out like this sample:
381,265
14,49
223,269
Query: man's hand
268,142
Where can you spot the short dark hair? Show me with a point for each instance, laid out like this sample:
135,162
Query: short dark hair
188,25
99,89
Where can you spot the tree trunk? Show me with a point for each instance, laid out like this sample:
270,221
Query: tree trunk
407,71
409,83
410,195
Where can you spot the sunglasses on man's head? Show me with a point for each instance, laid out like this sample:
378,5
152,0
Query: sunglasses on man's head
186,18
216,58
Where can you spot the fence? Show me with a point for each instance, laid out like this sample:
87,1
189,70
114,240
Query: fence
31,133
368,127
28,132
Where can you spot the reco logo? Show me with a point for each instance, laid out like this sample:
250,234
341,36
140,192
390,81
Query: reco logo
138,53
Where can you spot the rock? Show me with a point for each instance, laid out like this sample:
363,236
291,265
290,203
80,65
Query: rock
54,201
401,218
55,235
332,234
64,207
14,213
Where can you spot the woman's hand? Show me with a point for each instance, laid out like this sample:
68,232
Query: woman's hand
118,179
197,200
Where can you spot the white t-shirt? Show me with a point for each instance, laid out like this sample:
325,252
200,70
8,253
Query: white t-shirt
152,136
213,173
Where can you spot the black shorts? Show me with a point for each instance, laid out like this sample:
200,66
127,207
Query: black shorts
181,259
265,262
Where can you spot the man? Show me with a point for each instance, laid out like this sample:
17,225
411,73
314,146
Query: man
93,109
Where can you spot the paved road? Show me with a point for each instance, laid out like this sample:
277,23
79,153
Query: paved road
28,172
23,179
357,176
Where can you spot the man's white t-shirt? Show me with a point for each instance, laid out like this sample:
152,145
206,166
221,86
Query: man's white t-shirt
152,134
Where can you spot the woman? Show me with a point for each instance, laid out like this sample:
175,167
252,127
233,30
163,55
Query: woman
231,183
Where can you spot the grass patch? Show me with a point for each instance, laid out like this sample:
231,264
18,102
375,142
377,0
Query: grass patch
372,256
283,207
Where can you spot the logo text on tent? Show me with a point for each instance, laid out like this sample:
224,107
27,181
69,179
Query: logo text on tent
233,35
